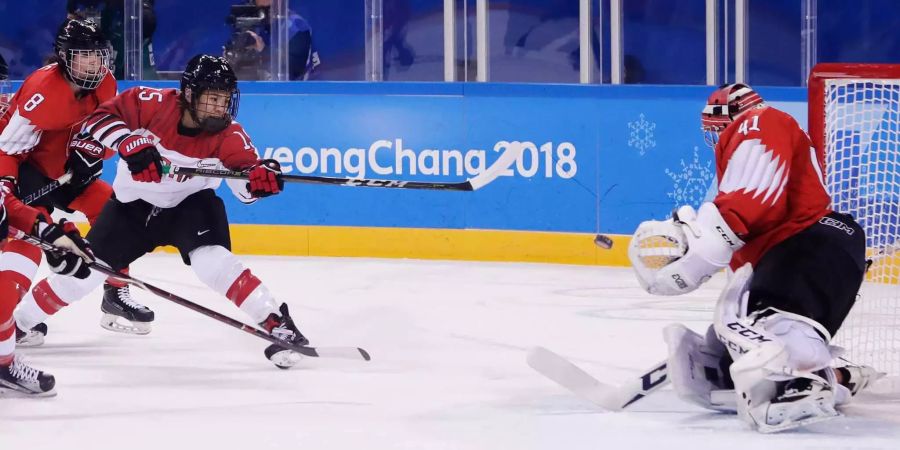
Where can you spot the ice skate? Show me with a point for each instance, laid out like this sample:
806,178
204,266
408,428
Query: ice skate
122,314
283,328
19,379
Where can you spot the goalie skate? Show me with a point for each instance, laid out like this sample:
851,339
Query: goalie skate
283,328
122,314
800,402
31,338
19,379
858,378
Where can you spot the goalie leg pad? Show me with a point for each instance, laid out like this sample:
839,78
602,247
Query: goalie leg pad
695,368
782,379
803,339
771,406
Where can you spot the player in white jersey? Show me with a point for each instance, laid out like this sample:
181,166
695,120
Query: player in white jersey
191,127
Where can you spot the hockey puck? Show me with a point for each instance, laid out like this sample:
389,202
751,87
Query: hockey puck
603,241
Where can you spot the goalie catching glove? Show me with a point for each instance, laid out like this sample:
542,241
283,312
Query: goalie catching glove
676,256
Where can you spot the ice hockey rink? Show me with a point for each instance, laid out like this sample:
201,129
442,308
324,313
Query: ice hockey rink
448,342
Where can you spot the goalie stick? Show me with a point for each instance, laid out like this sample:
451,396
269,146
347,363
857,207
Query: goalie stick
582,384
502,163
333,352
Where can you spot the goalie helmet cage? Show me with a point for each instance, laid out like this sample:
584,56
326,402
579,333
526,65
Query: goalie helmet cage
854,115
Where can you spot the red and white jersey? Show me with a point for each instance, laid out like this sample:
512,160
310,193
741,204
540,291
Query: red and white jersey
42,118
156,113
771,181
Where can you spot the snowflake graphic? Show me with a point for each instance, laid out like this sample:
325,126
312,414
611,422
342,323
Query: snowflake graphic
641,134
692,182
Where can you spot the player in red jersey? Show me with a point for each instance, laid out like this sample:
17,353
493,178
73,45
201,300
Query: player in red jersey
36,134
190,127
40,143
798,267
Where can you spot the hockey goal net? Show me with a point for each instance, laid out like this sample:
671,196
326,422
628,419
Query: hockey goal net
854,114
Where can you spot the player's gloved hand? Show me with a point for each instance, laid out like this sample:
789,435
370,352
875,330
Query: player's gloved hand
142,157
85,160
77,254
265,178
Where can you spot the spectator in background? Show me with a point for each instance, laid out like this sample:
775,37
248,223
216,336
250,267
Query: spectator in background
110,15
248,49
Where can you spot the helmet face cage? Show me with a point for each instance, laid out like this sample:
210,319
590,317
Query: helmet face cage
723,106
85,52
212,122
87,67
210,73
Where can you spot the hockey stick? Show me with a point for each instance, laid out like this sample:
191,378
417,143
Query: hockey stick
506,159
335,352
46,189
610,398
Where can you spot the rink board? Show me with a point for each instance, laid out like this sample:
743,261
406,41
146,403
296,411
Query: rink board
595,159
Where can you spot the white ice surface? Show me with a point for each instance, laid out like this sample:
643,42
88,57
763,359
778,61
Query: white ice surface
448,341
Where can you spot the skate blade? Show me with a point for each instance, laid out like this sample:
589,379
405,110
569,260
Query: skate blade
7,391
119,324
285,359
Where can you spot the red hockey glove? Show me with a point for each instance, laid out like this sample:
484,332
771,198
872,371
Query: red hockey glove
265,178
142,158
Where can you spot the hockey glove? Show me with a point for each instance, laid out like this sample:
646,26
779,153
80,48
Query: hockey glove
72,262
265,178
676,256
142,157
85,160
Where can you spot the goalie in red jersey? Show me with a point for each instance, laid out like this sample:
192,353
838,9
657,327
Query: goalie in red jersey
191,127
798,267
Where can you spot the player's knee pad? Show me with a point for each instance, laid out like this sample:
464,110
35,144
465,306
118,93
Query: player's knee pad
216,267
752,374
